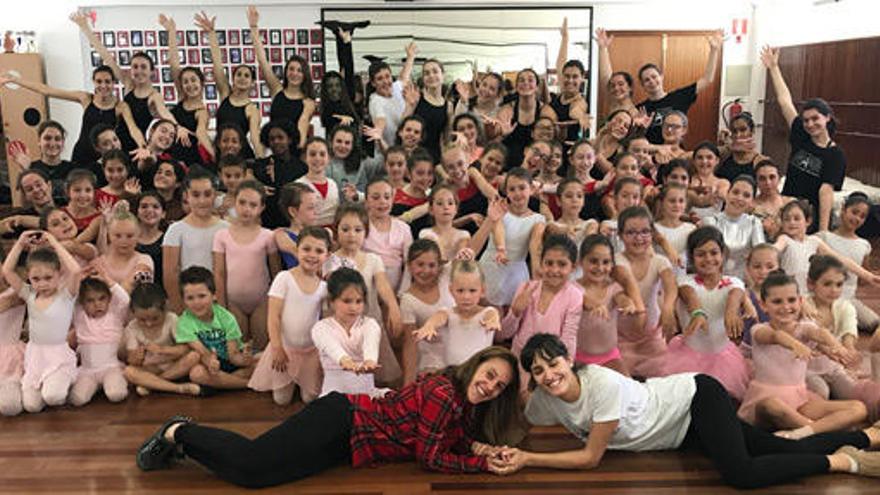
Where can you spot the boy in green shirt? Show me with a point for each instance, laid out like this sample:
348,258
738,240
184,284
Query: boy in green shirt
212,331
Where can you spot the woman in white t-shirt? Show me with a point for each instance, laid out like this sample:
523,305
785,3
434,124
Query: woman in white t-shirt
607,410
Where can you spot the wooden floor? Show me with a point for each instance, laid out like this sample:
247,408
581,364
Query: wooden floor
91,450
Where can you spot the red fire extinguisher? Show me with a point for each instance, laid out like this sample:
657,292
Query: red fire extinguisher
731,109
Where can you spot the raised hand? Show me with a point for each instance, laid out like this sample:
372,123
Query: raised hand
770,57
603,38
564,29
343,119
132,186
643,119
411,50
465,254
496,210
491,320
253,16
372,133
81,19
204,22
411,94
463,89
715,41
168,23
18,151
523,299
183,136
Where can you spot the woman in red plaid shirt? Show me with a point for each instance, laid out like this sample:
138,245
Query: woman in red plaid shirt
446,421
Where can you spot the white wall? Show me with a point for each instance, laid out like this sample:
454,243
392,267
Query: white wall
776,22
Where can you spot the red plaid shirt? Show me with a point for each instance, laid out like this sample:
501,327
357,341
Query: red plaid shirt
422,421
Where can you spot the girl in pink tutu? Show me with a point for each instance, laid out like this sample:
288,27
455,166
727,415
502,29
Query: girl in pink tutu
295,299
467,327
12,310
760,262
709,311
348,341
824,305
553,304
98,321
387,236
603,300
121,260
642,344
49,362
778,397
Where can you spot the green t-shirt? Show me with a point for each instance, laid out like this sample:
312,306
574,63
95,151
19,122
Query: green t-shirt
214,335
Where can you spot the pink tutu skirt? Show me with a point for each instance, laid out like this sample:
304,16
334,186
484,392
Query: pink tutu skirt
303,369
643,350
727,366
96,359
600,359
11,361
793,395
40,361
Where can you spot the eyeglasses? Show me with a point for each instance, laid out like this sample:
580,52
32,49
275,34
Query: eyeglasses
638,233
673,127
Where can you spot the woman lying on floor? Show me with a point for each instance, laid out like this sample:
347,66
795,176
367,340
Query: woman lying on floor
608,410
437,420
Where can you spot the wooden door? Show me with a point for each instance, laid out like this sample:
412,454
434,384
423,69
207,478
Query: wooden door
682,55
15,102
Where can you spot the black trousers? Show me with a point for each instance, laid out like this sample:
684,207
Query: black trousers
749,457
306,443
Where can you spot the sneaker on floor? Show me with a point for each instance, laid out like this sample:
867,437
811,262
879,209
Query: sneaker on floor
869,462
156,452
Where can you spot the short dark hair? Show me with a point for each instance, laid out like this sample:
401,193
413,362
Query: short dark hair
196,275
591,241
97,130
700,236
148,296
560,242
315,232
776,278
92,284
421,246
544,345
291,197
115,155
198,173
821,263
649,65
342,279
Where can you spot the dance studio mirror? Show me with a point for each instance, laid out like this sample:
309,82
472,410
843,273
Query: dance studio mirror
502,40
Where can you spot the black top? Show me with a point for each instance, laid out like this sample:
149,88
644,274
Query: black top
284,108
810,166
519,138
681,99
83,151
730,169
187,154
154,251
563,113
227,113
140,112
436,119
273,217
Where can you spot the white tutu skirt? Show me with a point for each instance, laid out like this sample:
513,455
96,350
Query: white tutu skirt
303,369
95,359
503,280
40,361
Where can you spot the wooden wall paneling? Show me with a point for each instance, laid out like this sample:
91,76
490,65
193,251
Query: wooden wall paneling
14,102
629,51
686,57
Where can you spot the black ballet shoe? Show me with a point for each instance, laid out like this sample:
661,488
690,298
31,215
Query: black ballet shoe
207,391
156,452
336,26
372,59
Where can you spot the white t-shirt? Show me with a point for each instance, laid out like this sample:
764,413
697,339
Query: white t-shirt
389,108
195,243
654,415
855,249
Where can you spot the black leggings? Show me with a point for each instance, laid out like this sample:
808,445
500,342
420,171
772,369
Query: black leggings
749,457
306,443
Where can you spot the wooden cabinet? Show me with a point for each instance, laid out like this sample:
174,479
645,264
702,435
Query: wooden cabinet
15,103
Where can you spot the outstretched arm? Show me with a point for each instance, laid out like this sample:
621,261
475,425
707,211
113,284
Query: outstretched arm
562,57
81,20
406,71
173,55
770,59
605,69
271,79
81,97
715,43
205,23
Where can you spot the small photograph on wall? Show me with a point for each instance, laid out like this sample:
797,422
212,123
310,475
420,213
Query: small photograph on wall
302,36
122,39
252,93
303,52
180,37
224,55
275,55
317,56
154,76
109,39
264,90
181,53
264,36
192,38
96,59
163,38
248,54
124,58
193,56
246,38
163,57
317,87
235,55
206,56
221,37
316,35
212,109
168,94
137,38
233,36
275,37
278,70
149,38
317,72
289,53
205,38
153,56
289,37
211,91
208,72
166,75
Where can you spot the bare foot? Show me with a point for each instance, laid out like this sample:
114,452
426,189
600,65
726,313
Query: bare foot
142,391
796,434
189,389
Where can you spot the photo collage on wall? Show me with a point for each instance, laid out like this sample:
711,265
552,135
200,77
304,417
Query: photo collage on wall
235,48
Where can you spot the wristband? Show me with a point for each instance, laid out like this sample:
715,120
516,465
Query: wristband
699,312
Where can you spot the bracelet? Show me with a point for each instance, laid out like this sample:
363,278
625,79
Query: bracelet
699,312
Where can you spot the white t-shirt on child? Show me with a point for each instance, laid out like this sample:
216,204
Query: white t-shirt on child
654,415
